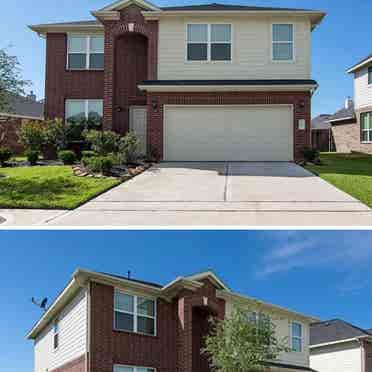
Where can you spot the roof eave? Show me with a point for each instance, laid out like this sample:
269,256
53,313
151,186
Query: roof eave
336,342
42,30
360,65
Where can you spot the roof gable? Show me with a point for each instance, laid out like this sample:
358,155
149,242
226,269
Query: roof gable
121,4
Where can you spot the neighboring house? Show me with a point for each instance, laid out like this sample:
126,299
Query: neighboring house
197,82
109,323
20,108
338,346
354,133
321,133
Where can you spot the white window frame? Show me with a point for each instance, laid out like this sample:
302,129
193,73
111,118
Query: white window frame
56,322
135,368
87,51
136,314
365,130
369,68
283,42
296,337
209,42
86,105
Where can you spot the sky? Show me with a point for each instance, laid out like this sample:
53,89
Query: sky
339,42
319,273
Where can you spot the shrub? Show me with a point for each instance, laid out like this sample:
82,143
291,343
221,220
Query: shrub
32,156
32,135
67,156
5,155
102,142
55,133
310,154
98,164
88,154
128,148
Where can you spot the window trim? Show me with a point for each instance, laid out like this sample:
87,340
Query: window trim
56,322
369,76
209,42
364,130
86,105
135,314
130,366
87,51
296,337
293,60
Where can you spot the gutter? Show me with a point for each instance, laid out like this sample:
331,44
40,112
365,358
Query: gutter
359,338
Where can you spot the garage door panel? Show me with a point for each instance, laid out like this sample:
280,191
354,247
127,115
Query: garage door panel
217,133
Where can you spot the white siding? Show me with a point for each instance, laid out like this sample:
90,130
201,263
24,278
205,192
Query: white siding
362,91
72,336
344,357
251,50
283,327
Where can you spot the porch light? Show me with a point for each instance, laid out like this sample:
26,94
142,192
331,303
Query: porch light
154,105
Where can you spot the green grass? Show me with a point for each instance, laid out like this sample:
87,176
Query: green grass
48,187
351,173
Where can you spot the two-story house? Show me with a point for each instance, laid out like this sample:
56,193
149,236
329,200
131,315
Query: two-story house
108,323
195,83
352,126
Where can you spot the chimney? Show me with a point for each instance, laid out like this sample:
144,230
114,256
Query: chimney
32,96
349,103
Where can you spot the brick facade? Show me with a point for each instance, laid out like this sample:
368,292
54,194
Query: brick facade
347,135
76,365
301,102
181,325
9,127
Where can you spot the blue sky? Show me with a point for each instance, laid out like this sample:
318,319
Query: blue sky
338,43
324,274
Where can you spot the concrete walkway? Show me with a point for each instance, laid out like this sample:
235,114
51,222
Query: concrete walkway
27,217
221,194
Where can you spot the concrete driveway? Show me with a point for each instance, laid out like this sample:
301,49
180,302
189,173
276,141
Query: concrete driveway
221,194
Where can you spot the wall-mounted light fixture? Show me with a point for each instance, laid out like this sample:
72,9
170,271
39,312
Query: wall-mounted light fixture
154,104
301,105
118,109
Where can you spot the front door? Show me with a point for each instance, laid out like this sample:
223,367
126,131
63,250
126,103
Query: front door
138,125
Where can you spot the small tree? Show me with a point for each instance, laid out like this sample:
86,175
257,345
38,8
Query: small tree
239,344
103,142
56,133
32,135
11,82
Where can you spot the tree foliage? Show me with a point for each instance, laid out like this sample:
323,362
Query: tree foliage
241,344
11,82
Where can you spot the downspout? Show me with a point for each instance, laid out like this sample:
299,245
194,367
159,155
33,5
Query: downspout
87,359
363,358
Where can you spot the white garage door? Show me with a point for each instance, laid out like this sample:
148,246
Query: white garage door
236,132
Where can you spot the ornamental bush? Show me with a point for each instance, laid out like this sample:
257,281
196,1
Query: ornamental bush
5,155
32,135
128,148
98,164
32,156
102,142
68,157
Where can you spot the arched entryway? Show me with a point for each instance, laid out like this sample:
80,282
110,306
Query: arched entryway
130,69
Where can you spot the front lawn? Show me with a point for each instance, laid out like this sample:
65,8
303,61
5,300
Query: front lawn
48,187
351,173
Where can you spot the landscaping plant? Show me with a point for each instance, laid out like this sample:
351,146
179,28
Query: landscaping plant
98,164
32,156
68,157
102,142
128,148
5,155
55,133
310,154
241,344
32,135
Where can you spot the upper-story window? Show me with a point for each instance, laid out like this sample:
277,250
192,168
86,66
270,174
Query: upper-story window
84,109
369,75
85,52
134,313
296,336
120,368
209,42
282,42
55,334
366,121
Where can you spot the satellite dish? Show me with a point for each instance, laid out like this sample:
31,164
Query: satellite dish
41,304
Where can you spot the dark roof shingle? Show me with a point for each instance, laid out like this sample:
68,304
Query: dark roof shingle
25,106
321,122
334,330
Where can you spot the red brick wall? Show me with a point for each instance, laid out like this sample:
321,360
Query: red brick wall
115,89
61,84
76,365
320,139
109,347
179,333
9,128
301,102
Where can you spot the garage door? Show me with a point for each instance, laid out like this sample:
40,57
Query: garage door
218,133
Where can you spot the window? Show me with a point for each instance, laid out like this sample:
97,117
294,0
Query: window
282,42
366,123
85,52
84,109
369,75
118,368
55,334
134,313
296,334
209,42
